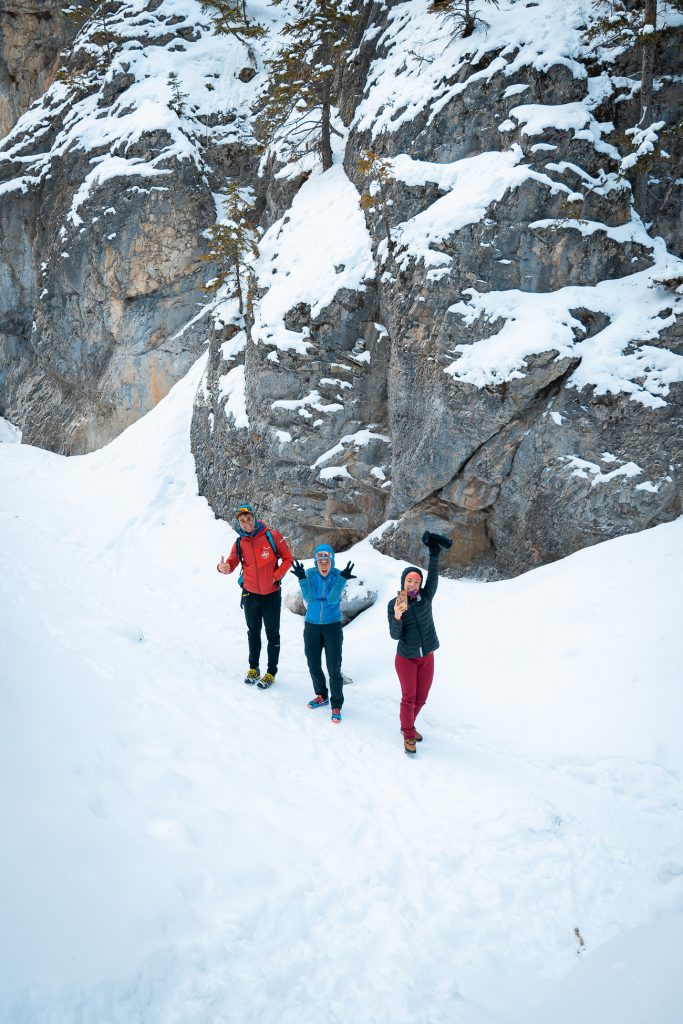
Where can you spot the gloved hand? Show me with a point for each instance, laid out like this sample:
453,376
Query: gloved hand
347,573
435,541
298,570
431,541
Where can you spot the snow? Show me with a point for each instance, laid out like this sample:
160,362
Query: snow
421,68
628,980
9,434
110,167
334,473
359,439
178,847
110,129
301,405
536,117
232,388
590,470
324,229
647,485
474,184
644,141
639,308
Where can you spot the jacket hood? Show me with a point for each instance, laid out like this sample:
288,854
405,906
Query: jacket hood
411,568
328,550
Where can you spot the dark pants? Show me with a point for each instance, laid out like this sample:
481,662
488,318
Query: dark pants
326,638
415,676
263,609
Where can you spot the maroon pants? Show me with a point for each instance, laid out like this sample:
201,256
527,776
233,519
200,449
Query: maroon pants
415,676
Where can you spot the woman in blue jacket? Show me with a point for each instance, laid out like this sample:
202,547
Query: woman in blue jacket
322,588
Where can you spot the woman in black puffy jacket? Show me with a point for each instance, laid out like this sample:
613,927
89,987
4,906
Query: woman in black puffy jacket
412,624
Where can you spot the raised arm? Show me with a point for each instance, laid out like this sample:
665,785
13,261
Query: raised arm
432,581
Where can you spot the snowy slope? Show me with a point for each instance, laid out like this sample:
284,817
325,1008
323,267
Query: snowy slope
179,848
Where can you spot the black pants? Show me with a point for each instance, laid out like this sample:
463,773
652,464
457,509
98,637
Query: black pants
263,609
326,638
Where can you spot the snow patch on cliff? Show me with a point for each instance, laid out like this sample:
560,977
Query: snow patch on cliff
320,246
613,361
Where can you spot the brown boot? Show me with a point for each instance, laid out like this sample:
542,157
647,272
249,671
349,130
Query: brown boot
409,745
418,738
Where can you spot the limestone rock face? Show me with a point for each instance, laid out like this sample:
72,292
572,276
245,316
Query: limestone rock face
32,33
334,402
104,211
109,337
523,412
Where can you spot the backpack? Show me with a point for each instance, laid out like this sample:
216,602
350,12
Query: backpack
240,579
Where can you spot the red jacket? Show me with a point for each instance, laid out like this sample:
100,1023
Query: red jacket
262,574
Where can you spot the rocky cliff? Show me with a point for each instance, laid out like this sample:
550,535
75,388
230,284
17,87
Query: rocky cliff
105,194
32,34
488,346
504,365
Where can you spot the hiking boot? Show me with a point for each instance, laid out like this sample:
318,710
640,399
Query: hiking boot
409,745
318,702
251,676
266,680
336,715
418,738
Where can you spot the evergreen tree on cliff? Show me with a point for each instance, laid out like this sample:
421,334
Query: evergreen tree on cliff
230,18
304,74
464,14
101,13
633,25
233,244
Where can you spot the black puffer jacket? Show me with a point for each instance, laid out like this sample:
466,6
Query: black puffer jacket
415,630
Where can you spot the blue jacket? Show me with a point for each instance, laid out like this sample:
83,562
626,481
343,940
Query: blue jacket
322,594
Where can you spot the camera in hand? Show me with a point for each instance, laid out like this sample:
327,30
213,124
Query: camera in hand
436,539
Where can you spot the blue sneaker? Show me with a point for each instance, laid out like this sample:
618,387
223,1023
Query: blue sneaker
318,702
336,715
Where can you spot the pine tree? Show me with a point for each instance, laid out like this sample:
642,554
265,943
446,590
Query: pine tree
376,196
463,13
177,101
303,76
233,245
628,25
101,12
230,18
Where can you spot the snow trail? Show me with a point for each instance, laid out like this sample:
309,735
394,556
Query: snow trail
180,847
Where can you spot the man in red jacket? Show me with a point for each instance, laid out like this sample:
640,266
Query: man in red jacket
265,558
